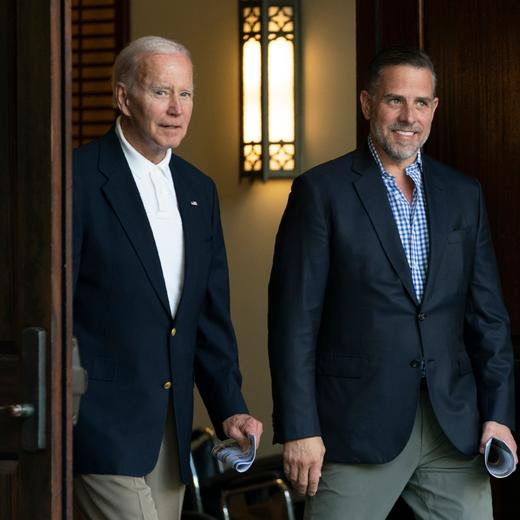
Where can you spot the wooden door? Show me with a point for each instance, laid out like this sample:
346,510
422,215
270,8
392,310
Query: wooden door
475,47
35,266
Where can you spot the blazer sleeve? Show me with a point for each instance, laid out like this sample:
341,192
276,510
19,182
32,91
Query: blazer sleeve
217,373
296,293
487,331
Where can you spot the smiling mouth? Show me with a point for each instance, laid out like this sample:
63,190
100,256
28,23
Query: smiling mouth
406,136
170,127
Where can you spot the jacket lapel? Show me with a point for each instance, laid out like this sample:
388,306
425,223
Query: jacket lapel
372,192
123,195
437,208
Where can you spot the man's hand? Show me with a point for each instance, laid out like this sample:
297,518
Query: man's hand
302,461
500,431
238,426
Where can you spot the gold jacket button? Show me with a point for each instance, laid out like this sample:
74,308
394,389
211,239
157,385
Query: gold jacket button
167,385
173,331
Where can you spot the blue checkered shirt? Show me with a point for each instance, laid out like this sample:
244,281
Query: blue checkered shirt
410,219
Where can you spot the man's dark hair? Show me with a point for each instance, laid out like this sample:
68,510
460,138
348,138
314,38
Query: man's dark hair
398,55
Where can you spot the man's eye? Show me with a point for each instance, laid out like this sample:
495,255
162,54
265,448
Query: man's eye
395,101
186,94
160,92
422,104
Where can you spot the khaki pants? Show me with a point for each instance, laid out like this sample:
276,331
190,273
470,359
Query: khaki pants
434,479
156,496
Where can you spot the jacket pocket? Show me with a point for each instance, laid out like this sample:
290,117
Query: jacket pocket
457,236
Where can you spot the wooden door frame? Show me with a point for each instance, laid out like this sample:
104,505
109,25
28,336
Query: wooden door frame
38,175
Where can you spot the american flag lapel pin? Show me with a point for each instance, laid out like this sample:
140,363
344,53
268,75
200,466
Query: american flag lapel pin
194,203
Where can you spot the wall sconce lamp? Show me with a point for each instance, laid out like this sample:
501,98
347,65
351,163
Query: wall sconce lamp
270,88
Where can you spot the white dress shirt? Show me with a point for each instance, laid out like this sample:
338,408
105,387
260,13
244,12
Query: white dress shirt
155,185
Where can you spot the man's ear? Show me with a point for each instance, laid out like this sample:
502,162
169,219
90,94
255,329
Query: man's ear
366,104
122,100
435,104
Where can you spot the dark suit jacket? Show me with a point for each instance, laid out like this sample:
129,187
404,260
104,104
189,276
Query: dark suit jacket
347,334
122,318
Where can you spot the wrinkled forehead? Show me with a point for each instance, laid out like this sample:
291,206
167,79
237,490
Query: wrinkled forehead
151,68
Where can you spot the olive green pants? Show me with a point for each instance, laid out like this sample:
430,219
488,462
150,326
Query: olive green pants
156,496
434,479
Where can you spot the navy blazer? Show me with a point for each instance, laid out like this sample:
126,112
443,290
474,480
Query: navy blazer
347,334
123,322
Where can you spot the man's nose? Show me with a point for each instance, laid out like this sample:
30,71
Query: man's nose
174,106
407,113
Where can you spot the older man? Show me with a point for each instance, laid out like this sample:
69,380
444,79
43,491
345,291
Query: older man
151,303
389,341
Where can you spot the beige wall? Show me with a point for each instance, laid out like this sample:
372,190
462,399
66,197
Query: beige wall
251,211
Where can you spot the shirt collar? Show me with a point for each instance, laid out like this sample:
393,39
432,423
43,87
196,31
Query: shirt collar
139,164
416,164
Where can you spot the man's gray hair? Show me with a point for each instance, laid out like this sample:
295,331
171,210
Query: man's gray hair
127,63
